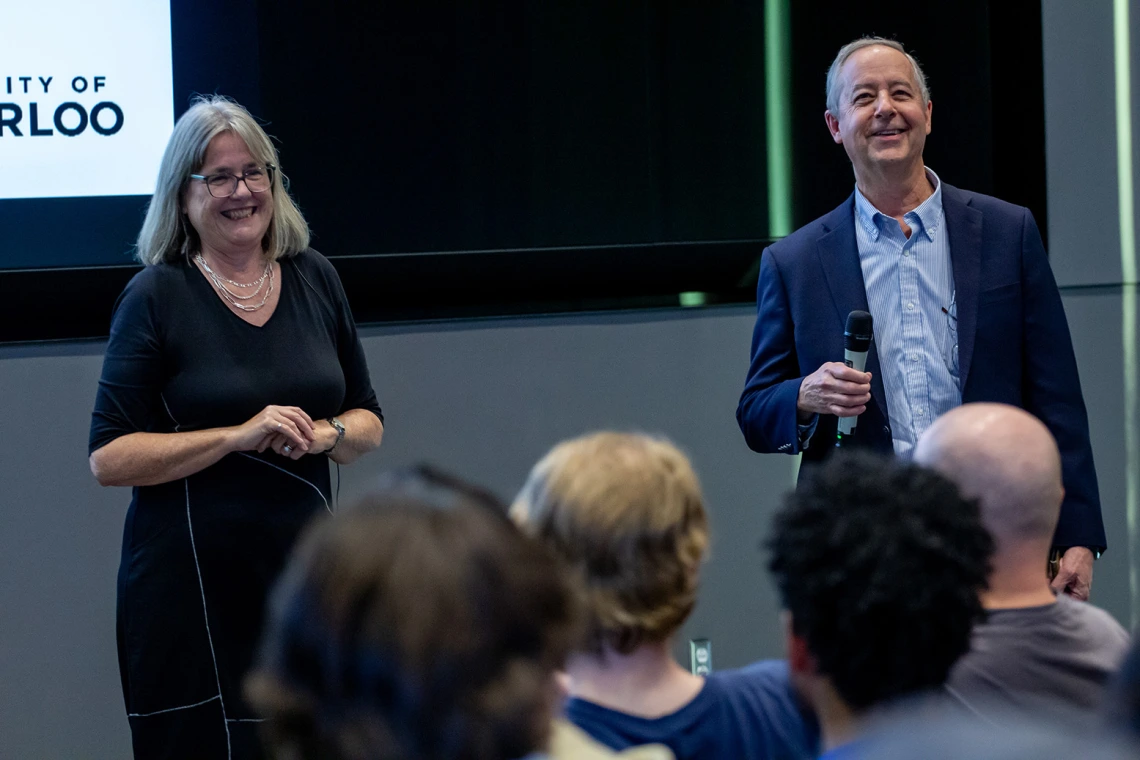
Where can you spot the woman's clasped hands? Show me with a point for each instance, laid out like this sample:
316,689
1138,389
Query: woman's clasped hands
287,430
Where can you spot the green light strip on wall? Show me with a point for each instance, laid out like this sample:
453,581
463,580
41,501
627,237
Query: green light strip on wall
1121,47
1123,65
778,126
777,86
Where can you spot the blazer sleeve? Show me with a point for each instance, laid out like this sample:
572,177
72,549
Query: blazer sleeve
767,409
1052,392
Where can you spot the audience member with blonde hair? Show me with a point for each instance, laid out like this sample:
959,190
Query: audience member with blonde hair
625,512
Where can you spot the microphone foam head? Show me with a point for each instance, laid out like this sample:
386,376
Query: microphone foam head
859,331
859,323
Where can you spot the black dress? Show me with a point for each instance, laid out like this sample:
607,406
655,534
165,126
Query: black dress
200,553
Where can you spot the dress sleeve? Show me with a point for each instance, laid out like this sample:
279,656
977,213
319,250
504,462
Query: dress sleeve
131,384
358,392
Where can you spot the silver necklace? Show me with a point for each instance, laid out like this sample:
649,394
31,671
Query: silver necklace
231,298
234,299
268,267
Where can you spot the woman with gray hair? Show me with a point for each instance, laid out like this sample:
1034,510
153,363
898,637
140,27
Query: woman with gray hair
233,374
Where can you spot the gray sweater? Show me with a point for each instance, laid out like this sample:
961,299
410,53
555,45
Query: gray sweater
1060,654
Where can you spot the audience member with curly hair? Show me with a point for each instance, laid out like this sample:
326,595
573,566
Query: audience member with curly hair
419,625
626,513
879,564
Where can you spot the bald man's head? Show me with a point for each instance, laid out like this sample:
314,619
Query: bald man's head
1005,458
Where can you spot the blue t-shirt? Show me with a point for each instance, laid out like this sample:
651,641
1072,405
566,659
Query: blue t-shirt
855,750
750,713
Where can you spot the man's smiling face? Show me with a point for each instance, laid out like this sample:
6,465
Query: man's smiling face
881,120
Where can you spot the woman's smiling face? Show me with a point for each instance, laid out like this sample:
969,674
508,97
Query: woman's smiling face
228,226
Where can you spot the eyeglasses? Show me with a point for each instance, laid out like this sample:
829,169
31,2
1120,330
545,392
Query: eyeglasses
224,185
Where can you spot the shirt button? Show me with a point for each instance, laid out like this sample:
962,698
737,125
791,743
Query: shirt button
918,411
906,253
914,357
910,306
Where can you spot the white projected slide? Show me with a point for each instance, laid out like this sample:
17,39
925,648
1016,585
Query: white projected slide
86,100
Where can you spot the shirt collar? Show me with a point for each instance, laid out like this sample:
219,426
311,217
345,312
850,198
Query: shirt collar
928,214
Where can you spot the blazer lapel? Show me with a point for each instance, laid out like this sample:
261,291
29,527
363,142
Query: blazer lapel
964,229
839,258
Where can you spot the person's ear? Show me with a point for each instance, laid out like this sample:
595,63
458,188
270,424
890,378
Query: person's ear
833,127
799,657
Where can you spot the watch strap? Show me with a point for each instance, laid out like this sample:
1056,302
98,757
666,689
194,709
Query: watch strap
339,426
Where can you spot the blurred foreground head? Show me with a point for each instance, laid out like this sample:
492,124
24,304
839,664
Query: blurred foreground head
420,624
625,511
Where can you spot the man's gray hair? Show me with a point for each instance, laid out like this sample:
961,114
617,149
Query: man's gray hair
845,53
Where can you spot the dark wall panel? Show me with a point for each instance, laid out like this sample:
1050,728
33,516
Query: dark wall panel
415,127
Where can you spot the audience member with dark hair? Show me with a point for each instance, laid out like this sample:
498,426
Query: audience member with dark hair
879,564
421,624
626,512
1037,647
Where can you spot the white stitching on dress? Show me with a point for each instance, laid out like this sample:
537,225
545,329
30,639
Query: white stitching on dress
176,425
291,474
206,618
205,615
172,709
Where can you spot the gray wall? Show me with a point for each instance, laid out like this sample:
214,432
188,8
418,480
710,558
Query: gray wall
1080,141
486,399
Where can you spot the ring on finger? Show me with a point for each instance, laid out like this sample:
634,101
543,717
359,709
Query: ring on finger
287,449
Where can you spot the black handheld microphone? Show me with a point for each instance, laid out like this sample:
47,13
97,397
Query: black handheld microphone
857,337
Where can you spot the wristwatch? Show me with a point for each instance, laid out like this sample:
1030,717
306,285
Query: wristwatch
339,433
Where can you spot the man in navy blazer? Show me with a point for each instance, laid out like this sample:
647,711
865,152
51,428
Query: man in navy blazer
964,302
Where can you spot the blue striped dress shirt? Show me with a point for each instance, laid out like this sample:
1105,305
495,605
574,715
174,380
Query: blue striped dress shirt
910,292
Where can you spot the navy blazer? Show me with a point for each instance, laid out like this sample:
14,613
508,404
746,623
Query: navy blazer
1013,339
